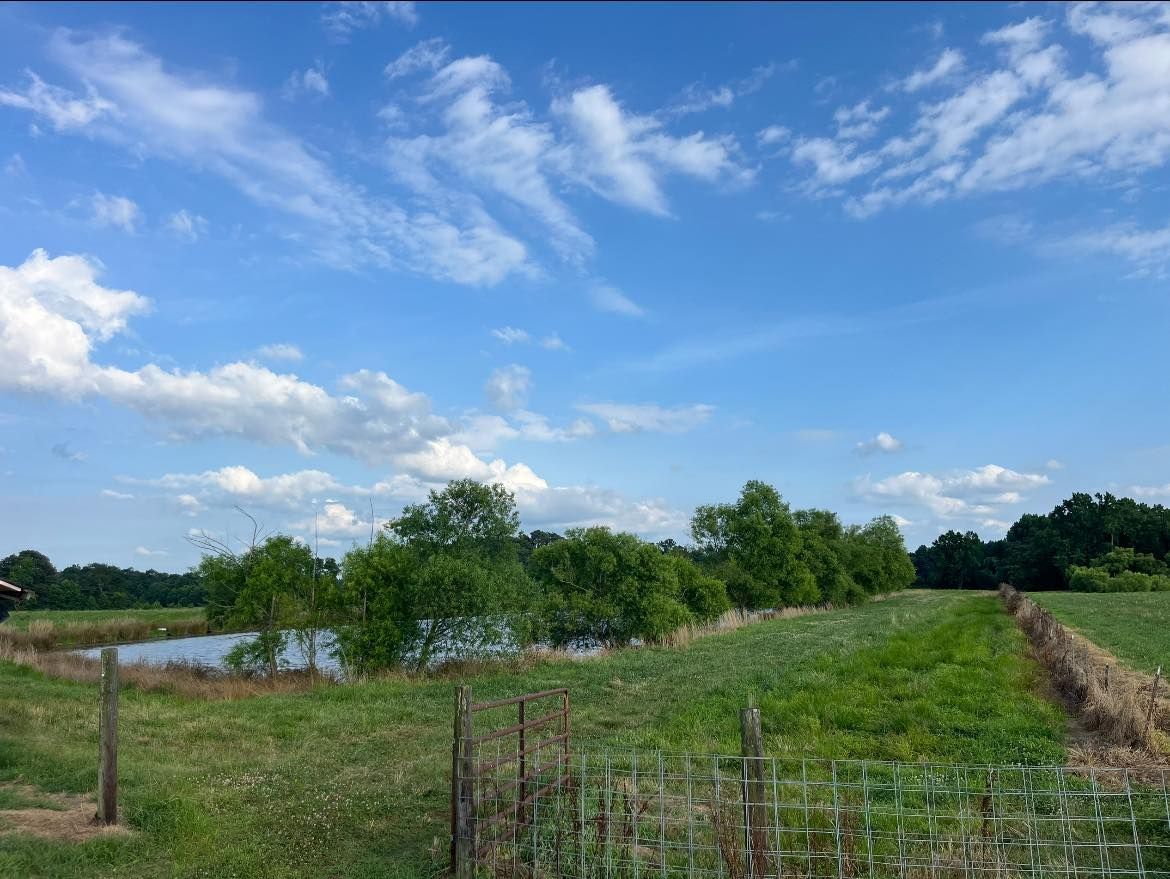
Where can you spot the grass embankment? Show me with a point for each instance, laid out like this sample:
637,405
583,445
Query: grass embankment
51,629
351,781
1133,626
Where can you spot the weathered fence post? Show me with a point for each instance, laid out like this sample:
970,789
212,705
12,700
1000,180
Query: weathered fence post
1153,702
755,811
462,789
107,807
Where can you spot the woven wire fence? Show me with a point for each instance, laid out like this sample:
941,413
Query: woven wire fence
602,813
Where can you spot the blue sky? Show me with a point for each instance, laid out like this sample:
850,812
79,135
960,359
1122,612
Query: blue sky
315,260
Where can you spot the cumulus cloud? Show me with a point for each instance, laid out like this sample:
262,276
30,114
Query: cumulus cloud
507,388
281,351
971,494
148,553
883,442
53,314
114,210
637,417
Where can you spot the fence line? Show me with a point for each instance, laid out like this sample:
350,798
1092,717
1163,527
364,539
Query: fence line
604,813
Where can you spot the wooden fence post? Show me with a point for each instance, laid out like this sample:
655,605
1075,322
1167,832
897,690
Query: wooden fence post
107,808
1153,703
462,789
755,812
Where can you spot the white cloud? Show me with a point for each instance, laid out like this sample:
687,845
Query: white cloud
281,351
949,62
507,387
53,313
187,225
1147,249
336,520
341,19
553,342
696,98
609,298
624,157
859,121
635,417
62,108
958,494
1041,108
883,442
1150,491
772,135
833,162
143,551
1053,464
116,495
510,335
114,210
429,55
312,82
222,130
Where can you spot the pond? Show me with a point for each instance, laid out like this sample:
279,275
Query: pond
210,650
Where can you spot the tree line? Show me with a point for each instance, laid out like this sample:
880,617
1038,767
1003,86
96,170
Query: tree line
1098,543
454,577
97,586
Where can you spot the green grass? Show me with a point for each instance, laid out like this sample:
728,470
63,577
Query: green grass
351,781
159,616
1133,626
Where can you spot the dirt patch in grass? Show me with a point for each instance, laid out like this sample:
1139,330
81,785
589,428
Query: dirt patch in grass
62,817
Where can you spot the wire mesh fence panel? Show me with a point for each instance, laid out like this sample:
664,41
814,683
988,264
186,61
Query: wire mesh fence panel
596,814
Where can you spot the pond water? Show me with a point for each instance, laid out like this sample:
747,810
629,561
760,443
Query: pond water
210,650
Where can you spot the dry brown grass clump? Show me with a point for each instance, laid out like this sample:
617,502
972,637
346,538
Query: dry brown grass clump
181,678
1121,711
47,635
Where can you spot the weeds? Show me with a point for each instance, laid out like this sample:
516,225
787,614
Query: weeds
47,635
1115,712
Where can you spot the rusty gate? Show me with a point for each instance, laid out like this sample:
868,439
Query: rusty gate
500,769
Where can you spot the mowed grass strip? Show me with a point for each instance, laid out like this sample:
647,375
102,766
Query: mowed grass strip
351,781
1133,626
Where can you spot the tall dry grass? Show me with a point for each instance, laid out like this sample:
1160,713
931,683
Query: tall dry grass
47,635
181,678
1117,711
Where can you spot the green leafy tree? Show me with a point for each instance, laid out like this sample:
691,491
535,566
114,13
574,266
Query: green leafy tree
611,588
875,556
822,547
445,573
754,545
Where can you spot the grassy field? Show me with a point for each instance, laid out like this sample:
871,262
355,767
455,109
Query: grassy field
1133,626
158,616
351,781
